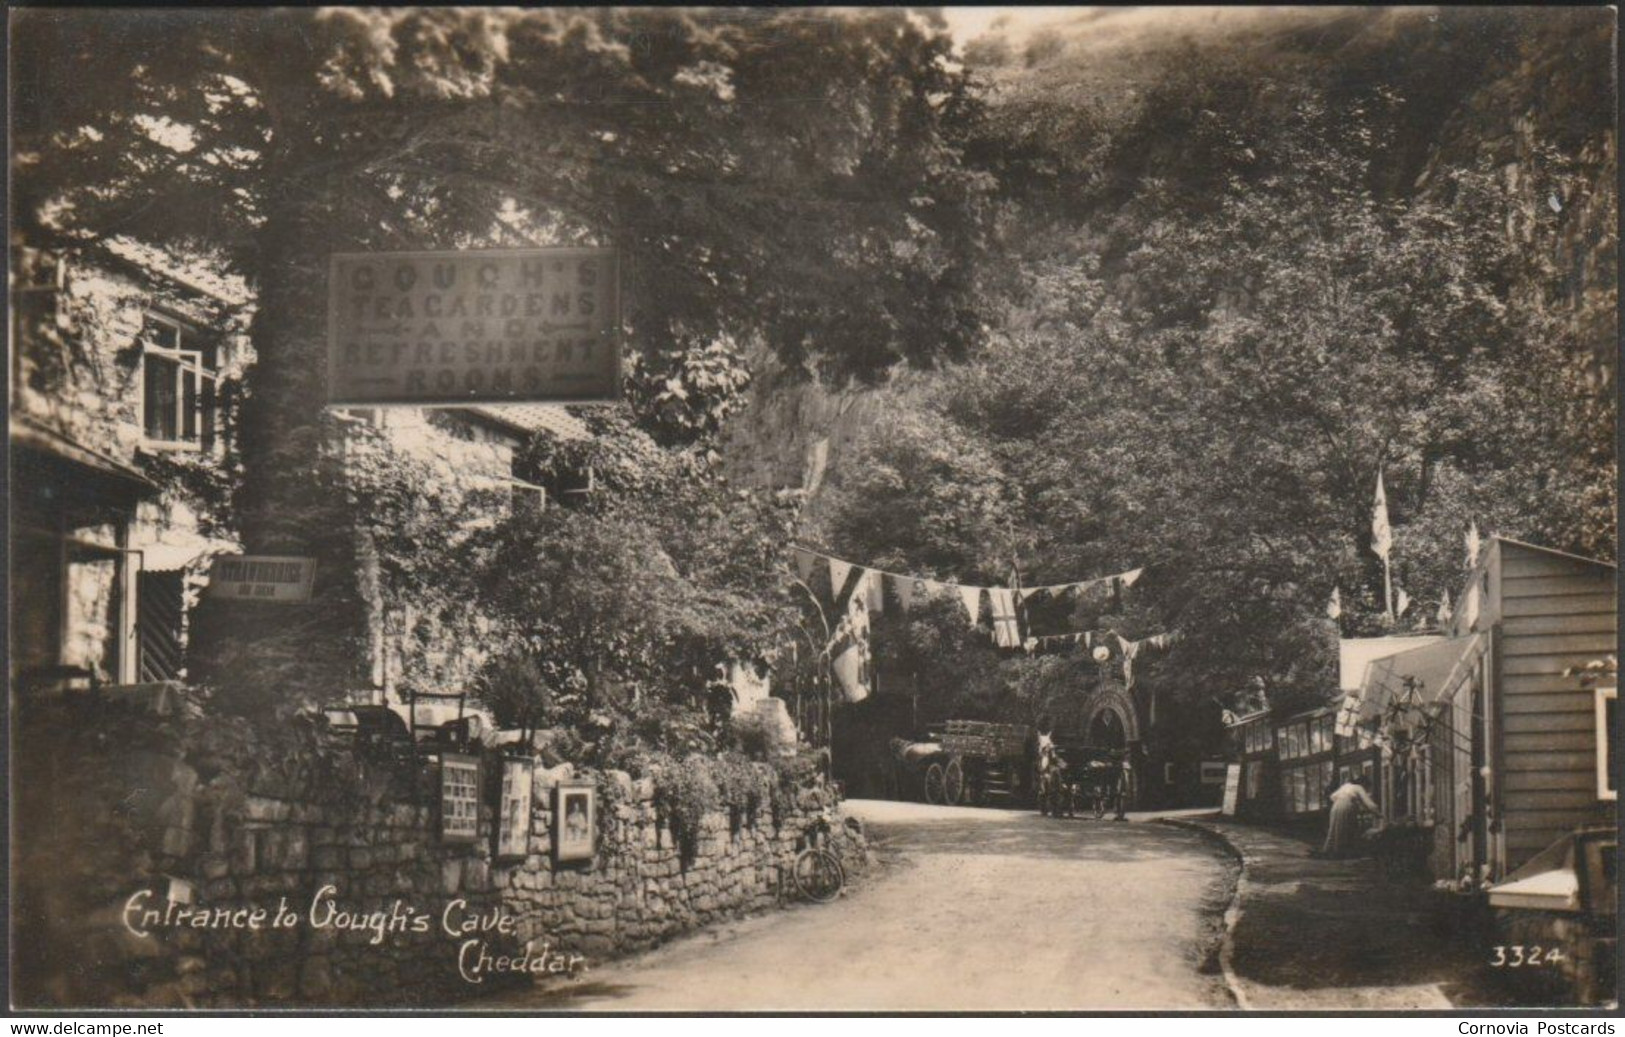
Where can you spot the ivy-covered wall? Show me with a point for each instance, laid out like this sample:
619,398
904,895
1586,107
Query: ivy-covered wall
79,323
233,821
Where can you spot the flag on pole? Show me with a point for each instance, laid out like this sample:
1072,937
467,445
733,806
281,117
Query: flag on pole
1472,545
1382,534
1334,607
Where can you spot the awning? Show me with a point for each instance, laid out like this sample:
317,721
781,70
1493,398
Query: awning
29,436
1437,669
1354,654
168,558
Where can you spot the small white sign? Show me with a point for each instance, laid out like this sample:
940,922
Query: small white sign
278,579
1232,789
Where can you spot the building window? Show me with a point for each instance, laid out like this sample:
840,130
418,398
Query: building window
180,381
1320,735
1606,698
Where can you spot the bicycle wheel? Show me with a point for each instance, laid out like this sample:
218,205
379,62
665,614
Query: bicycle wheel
819,875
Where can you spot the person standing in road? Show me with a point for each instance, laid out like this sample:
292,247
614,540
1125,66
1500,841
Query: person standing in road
1125,780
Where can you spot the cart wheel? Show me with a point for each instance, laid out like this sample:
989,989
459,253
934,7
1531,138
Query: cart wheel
933,784
953,783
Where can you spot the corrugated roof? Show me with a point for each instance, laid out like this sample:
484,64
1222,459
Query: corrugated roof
551,418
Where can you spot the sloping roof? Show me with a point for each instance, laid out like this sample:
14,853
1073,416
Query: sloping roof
551,418
1555,551
1355,653
25,433
1440,668
226,288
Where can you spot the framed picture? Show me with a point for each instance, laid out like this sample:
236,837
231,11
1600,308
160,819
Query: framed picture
513,809
575,821
459,798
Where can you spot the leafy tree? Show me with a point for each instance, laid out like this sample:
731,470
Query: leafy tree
924,496
1202,361
766,175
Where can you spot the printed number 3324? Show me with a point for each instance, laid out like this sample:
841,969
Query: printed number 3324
1517,956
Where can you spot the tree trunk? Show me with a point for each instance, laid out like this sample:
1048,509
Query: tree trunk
273,659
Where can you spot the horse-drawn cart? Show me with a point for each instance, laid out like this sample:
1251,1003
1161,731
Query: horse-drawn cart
976,762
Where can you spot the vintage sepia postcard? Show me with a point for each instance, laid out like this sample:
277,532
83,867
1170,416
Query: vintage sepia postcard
908,509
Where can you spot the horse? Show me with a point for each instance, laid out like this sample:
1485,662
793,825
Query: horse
1054,795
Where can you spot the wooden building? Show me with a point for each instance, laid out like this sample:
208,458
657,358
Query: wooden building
1492,736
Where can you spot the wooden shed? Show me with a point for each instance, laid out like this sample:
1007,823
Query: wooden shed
1547,612
1514,758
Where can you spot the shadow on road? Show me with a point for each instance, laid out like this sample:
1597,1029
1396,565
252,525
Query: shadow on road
1028,835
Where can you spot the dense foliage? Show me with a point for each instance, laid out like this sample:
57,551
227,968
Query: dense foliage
1224,314
1194,298
779,178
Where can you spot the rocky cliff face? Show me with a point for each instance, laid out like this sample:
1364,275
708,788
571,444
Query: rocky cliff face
796,433
1530,94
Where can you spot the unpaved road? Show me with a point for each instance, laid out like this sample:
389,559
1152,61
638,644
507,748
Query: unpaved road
965,910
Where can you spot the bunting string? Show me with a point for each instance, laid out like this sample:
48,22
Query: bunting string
840,570
850,580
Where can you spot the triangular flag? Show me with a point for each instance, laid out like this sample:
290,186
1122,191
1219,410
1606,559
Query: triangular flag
1469,606
905,590
1334,608
971,598
1132,576
838,572
1472,545
804,560
1382,535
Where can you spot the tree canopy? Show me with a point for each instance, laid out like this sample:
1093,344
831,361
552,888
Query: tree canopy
1218,321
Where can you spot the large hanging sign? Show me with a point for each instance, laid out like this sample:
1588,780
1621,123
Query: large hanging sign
470,327
278,579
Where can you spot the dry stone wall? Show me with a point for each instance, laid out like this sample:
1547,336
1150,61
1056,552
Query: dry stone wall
322,879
